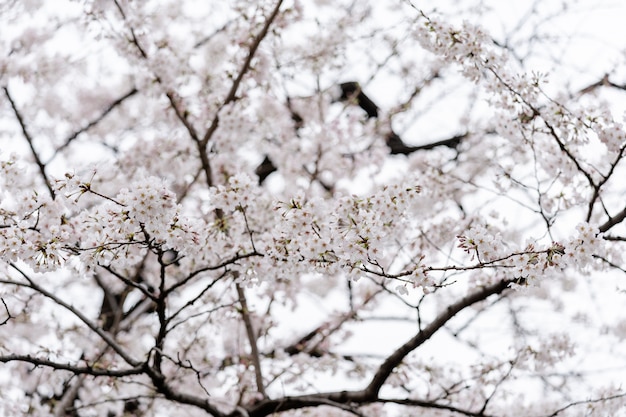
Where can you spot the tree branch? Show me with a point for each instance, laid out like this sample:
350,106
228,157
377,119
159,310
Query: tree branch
162,387
351,92
242,72
618,218
76,370
398,356
94,122
587,402
254,349
6,308
370,393
211,268
202,144
603,82
104,335
29,139
70,395
171,96
436,406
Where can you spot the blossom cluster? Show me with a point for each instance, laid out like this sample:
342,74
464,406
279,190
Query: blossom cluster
35,230
581,248
532,263
468,46
45,233
143,215
184,102
238,193
548,352
483,244
355,233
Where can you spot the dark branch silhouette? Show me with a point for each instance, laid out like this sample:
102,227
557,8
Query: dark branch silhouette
352,93
397,146
264,169
372,392
603,82
618,218
40,164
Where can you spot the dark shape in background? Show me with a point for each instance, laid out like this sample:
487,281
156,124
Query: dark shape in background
352,92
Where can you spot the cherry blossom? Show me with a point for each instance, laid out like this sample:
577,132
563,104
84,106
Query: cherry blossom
258,208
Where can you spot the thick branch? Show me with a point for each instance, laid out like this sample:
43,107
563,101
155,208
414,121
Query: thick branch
351,92
618,218
398,356
398,147
604,82
254,349
370,393
161,308
325,330
61,408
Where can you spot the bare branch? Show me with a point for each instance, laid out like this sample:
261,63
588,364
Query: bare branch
69,396
586,402
252,338
370,393
398,356
162,387
436,406
9,316
95,328
220,265
310,342
29,139
603,82
94,122
92,370
618,218
161,310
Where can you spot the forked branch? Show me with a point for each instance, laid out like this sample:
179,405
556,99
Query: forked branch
371,393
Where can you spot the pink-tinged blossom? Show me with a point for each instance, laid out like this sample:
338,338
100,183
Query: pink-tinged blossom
445,239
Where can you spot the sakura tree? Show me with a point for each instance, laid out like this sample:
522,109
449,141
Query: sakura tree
311,208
